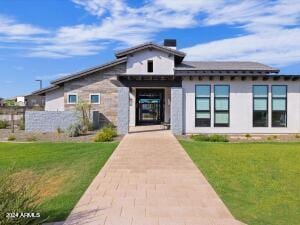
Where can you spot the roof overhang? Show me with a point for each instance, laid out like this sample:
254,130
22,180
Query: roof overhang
44,90
89,71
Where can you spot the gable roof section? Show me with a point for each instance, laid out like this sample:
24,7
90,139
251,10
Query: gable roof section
89,71
147,45
225,66
44,90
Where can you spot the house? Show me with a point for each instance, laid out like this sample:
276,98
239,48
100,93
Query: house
35,101
151,84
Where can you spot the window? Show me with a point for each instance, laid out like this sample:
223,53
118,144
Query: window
279,106
221,101
202,106
150,66
95,98
72,98
260,106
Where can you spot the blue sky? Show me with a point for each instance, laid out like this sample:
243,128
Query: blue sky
51,38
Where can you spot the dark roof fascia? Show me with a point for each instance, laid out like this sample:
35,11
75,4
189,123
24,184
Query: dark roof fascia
225,70
44,90
149,45
89,71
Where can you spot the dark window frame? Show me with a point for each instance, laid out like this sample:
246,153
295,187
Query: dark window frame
222,111
282,98
150,66
253,109
203,111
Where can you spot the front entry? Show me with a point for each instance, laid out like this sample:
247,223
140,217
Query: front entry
149,106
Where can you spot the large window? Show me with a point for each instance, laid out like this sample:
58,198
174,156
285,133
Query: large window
279,106
221,105
202,106
260,106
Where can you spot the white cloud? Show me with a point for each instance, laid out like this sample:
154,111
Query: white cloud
10,28
269,29
279,48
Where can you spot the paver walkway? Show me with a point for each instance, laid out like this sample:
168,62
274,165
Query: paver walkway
150,180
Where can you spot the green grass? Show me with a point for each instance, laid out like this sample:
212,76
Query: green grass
259,182
60,172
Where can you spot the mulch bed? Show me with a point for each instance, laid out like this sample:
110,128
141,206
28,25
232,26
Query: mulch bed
22,136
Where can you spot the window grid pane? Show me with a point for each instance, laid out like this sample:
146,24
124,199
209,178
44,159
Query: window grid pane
279,106
221,105
202,106
260,106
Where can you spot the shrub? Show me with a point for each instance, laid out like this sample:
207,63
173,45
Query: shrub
17,197
112,131
103,137
248,135
11,138
210,138
31,138
4,124
21,125
74,130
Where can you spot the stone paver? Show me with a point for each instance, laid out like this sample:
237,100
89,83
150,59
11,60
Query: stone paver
150,180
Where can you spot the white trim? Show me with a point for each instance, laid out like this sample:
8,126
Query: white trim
95,103
72,103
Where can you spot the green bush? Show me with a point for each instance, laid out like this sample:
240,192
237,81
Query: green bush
103,137
110,130
210,138
74,130
15,198
4,124
11,138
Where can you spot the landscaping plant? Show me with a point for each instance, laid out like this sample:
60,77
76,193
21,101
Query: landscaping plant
11,137
75,130
17,198
3,124
210,138
84,110
106,134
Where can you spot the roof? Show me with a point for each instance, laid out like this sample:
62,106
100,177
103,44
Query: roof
136,48
226,65
44,90
89,71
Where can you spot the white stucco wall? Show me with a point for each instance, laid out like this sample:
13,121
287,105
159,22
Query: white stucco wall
241,107
54,100
163,63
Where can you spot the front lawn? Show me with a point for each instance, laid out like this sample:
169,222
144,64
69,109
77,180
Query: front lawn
259,182
60,172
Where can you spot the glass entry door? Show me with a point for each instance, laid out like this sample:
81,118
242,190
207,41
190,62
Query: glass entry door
150,103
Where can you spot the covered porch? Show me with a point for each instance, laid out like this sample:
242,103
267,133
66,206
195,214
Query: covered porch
150,103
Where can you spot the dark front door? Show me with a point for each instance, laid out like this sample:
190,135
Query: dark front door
149,106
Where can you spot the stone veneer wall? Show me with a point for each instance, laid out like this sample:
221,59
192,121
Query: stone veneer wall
47,121
105,83
177,110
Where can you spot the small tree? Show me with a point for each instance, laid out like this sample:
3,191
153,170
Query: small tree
84,110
